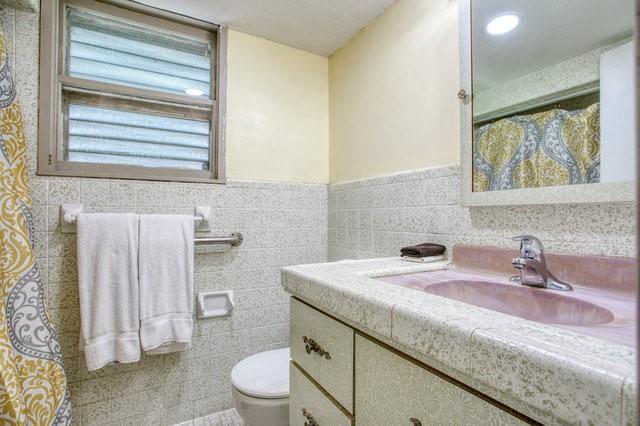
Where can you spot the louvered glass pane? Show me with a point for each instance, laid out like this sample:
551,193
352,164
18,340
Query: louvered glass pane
113,51
99,129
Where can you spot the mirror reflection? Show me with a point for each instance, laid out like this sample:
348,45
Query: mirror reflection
553,93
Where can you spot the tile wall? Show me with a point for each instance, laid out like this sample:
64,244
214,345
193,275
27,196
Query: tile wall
375,217
283,224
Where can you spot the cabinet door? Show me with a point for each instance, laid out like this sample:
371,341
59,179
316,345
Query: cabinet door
323,347
391,390
309,406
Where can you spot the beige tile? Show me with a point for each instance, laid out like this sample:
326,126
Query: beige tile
96,414
94,192
64,191
438,330
540,380
630,402
109,387
600,229
123,193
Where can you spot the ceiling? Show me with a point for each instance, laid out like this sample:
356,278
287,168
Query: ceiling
317,26
550,32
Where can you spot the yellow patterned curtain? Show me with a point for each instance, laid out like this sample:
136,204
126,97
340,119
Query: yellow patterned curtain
549,148
33,386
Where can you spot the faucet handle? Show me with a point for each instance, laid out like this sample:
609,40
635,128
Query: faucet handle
530,246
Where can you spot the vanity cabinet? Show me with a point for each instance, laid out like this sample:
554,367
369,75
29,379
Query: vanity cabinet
341,377
393,390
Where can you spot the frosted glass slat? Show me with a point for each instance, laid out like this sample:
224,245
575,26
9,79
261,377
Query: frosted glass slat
105,115
114,146
132,77
115,131
99,54
133,161
129,45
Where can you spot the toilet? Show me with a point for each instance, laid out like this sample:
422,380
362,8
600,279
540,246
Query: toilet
260,388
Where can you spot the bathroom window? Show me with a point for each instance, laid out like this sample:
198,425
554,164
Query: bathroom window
130,91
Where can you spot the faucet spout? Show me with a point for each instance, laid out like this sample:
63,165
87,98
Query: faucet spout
533,267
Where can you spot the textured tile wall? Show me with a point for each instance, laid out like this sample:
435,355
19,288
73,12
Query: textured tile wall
375,217
30,5
283,224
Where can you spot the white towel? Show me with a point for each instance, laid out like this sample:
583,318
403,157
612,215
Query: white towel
166,282
108,281
426,259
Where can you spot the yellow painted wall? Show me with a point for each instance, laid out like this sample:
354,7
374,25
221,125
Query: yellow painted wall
277,112
393,87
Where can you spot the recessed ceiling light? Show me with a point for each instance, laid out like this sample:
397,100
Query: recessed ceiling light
193,92
503,24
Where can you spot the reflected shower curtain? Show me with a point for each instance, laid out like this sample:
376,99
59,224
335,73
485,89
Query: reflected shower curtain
549,148
33,386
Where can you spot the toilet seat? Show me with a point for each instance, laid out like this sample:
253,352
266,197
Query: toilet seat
264,375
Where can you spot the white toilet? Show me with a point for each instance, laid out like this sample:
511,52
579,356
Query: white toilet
260,388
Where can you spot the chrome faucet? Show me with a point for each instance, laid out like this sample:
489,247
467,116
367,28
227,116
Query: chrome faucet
533,267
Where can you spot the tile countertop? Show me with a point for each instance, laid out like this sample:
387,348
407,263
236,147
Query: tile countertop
551,375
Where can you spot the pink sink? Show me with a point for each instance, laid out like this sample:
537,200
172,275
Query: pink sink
601,305
527,303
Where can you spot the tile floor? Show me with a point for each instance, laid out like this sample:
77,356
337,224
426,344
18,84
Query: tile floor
223,418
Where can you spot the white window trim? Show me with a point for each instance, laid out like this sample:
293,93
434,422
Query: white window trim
52,79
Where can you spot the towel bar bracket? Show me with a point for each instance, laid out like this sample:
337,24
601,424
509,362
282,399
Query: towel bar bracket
202,218
68,217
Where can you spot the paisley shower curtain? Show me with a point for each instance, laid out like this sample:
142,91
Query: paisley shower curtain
33,386
554,147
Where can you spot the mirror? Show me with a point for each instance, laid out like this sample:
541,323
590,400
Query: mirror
553,100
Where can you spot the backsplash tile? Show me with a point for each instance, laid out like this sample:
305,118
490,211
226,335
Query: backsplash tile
423,205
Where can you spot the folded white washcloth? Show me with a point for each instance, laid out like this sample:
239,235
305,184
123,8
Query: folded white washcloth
166,282
107,250
422,259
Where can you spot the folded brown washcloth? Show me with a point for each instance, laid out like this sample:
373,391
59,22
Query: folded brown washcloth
423,250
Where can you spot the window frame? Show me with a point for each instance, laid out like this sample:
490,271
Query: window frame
53,79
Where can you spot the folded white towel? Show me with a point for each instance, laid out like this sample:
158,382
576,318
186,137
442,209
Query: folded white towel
108,283
427,259
166,282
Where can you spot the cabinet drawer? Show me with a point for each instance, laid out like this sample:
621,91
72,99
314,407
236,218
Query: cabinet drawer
308,404
323,347
391,390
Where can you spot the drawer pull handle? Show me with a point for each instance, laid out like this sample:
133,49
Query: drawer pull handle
415,422
311,345
310,420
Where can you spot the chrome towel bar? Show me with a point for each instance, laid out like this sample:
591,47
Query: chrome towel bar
234,239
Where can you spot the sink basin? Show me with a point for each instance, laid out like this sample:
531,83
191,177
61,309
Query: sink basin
597,312
528,303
